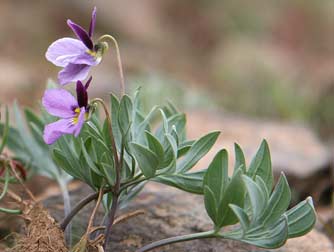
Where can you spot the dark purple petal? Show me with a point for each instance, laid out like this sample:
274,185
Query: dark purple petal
88,82
92,23
66,50
59,102
81,34
55,130
72,73
82,95
80,122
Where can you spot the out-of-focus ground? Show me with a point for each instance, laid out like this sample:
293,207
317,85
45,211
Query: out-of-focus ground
253,69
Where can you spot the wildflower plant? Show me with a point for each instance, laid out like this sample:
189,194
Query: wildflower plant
116,155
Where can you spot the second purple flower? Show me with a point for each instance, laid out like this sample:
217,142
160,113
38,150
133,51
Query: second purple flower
72,112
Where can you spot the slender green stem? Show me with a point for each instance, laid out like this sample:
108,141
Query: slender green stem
5,187
119,60
131,183
181,238
10,211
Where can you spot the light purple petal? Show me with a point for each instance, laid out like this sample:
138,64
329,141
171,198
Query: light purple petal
55,130
72,73
92,23
81,120
86,59
65,50
81,34
59,102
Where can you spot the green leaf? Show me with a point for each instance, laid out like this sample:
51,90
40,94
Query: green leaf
256,196
278,203
197,151
220,191
239,158
125,114
85,146
215,182
261,165
147,160
234,194
273,237
32,117
184,148
62,162
155,145
301,218
189,182
241,215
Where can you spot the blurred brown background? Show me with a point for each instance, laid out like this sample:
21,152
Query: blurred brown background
260,58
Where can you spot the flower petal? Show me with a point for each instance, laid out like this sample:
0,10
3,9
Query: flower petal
81,34
73,72
55,130
80,122
87,59
65,50
88,82
92,23
82,95
59,102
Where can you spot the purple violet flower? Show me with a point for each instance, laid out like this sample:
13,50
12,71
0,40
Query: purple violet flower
76,56
73,112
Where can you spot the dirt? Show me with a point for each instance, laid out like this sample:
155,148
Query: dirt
42,233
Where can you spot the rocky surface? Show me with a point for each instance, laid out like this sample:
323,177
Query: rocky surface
170,212
295,149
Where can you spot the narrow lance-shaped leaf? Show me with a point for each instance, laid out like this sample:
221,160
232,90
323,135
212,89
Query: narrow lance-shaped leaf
256,197
189,182
147,159
261,165
125,114
239,158
197,151
216,181
278,203
301,218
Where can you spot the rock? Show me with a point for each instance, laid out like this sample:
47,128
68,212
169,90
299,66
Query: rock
170,212
295,149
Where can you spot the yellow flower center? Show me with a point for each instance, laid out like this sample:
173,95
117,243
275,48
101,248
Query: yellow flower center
75,119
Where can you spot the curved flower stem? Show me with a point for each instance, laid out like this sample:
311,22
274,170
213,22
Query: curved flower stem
181,238
119,60
108,118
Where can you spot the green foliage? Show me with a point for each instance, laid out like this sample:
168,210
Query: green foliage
153,147
247,198
26,143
